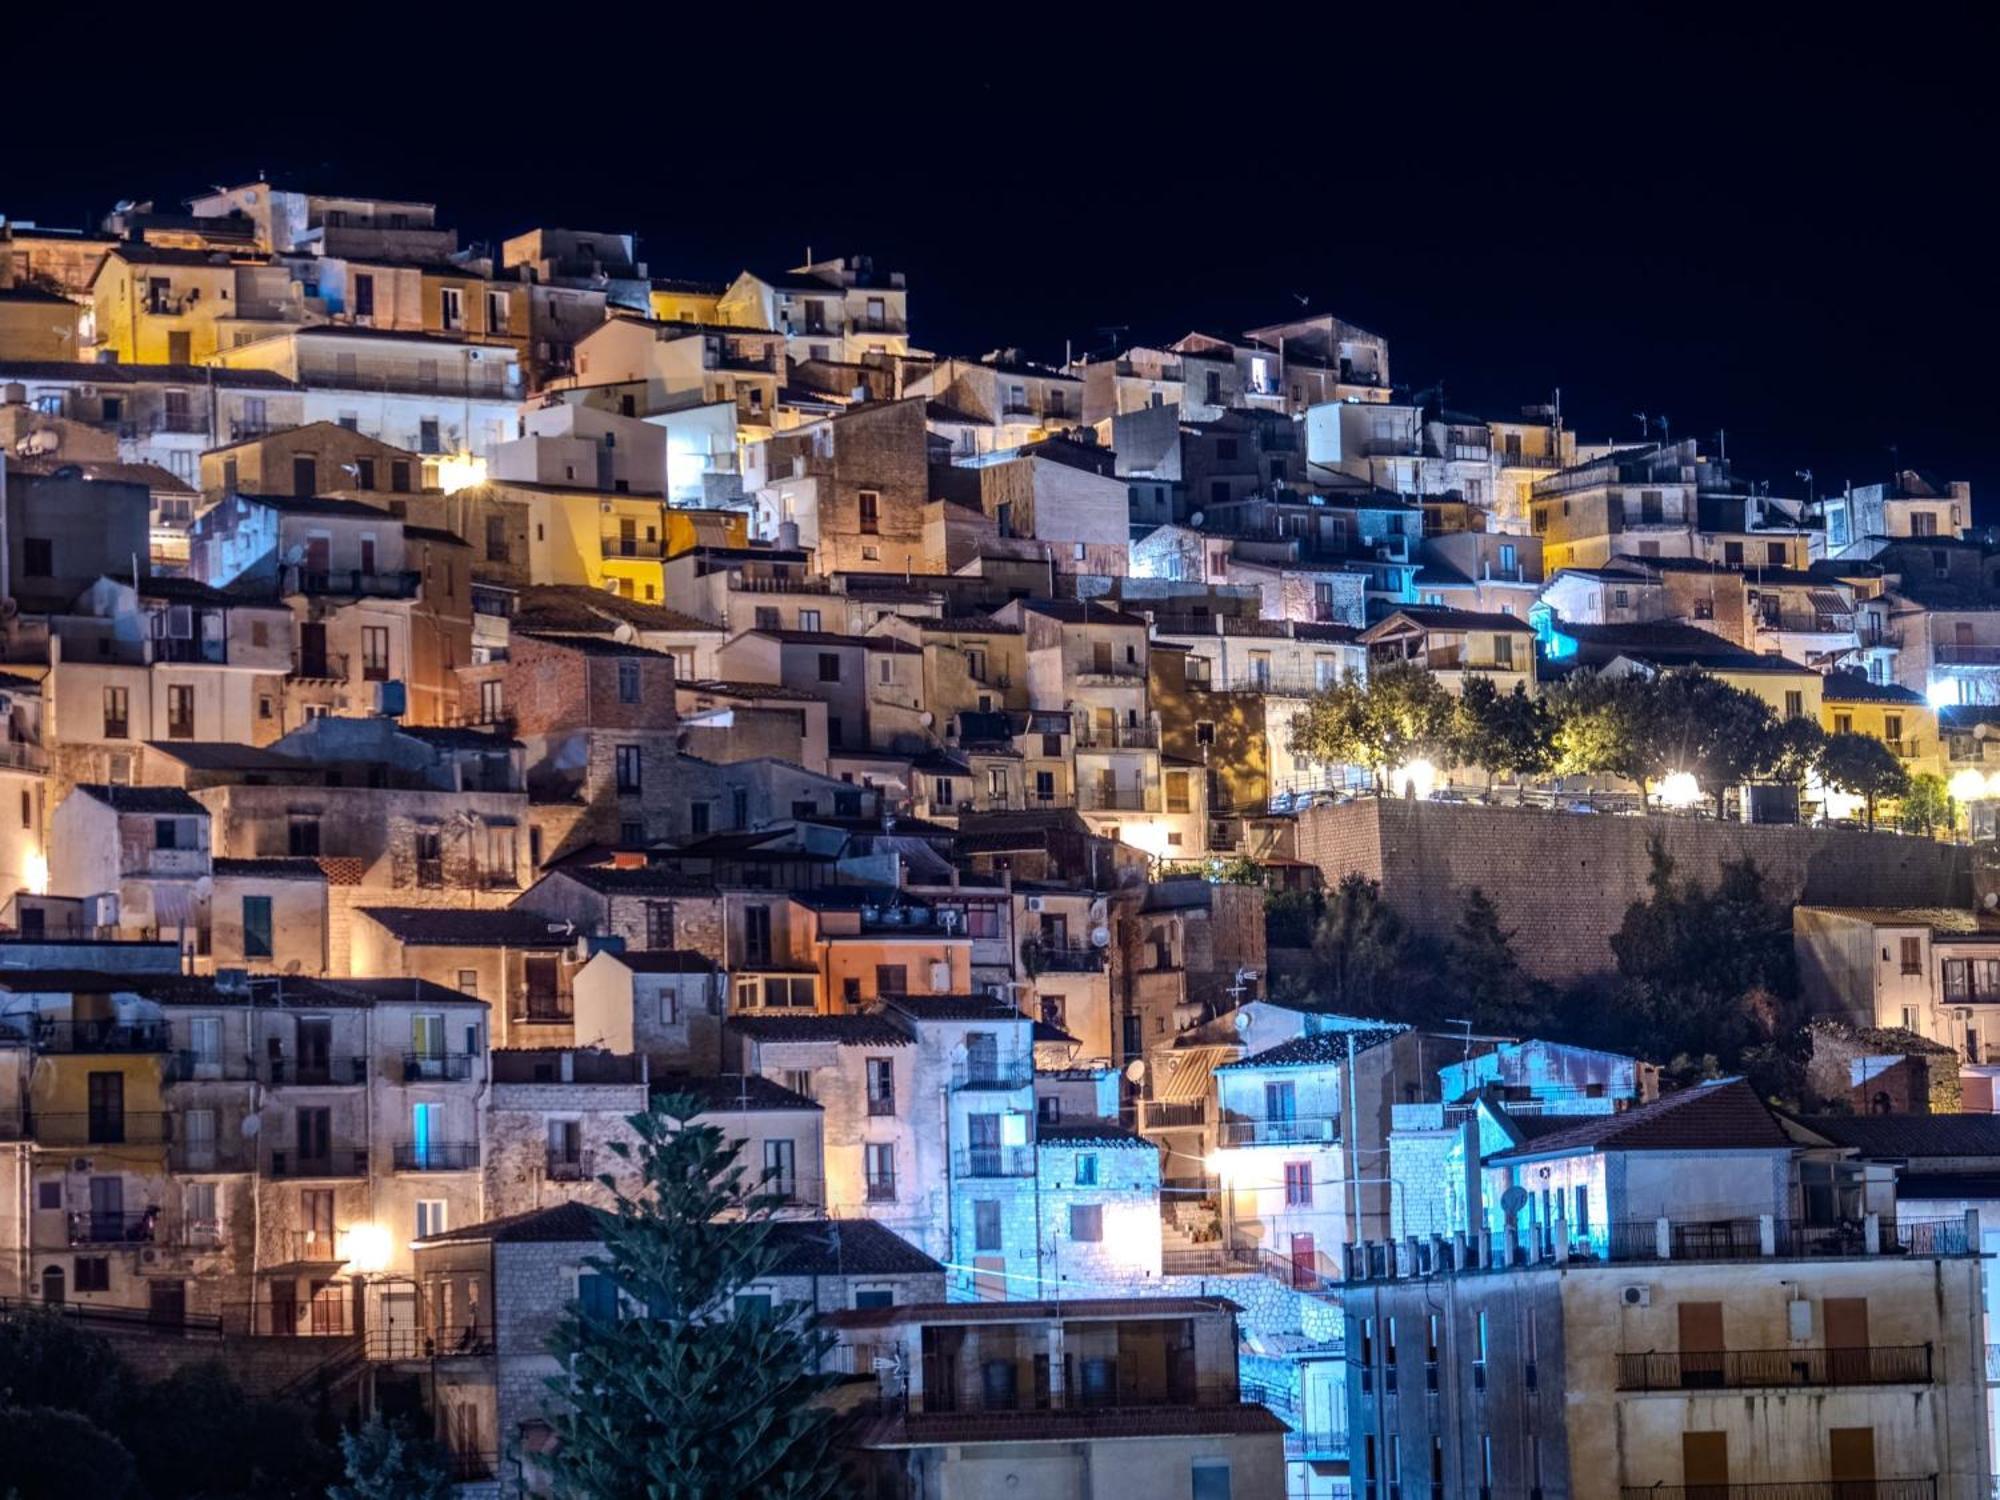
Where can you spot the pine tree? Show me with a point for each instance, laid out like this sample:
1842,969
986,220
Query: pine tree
689,1396
385,1462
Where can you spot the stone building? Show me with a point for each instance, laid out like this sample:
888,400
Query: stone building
854,487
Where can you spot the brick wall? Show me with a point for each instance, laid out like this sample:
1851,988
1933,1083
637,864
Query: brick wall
1562,881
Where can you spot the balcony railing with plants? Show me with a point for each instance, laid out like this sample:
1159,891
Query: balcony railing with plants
101,1036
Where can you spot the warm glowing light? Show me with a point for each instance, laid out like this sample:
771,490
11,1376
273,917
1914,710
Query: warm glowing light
1413,780
1680,790
35,870
1216,1162
1942,693
1969,786
366,1249
458,471
1151,837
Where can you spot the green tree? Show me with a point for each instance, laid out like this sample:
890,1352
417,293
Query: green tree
1791,749
1359,951
386,1461
1482,974
1925,806
1718,733
1400,714
55,1454
1497,731
46,1359
1610,726
197,1433
1862,766
699,1398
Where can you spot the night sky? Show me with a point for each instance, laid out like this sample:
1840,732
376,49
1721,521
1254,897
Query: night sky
1782,234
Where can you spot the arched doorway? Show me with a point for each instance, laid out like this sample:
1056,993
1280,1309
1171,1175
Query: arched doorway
52,1286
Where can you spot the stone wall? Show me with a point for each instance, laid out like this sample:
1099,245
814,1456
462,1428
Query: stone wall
1562,881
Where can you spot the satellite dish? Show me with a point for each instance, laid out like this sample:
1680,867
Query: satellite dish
1243,1019
926,718
251,1124
1098,910
1197,518
295,554
1990,900
1135,1070
1100,937
1513,1201
623,633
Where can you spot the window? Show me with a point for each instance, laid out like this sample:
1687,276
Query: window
627,761
364,295
1210,1480
453,307
38,557
597,1296
1843,723
698,818
881,1086
757,934
375,653
871,554
1086,1221
628,681
829,666
892,979
880,1163
180,712
1912,949
364,473
1795,703
874,1297
302,834
1298,1184
93,1273
257,928
432,1217
780,1171
986,1225
871,512
399,479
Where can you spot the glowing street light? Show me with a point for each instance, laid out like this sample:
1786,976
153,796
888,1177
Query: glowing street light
1680,790
1413,780
1969,786
367,1249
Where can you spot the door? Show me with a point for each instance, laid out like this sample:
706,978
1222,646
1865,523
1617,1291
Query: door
284,1308
180,348
1851,1460
315,1049
107,1108
315,1140
1705,1465
305,476
319,553
982,1057
312,649
166,1303
1701,1345
107,1209
1846,1339
984,1139
1305,1263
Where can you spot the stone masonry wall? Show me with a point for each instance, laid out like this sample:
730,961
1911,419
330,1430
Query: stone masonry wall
1562,881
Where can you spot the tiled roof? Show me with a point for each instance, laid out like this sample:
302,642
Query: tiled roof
1852,687
91,373
1722,1116
845,1247
1316,1050
574,607
1433,617
456,927
724,1092
1080,612
716,687
955,1008
159,801
1090,1133
572,1223
667,961
269,869
587,643
608,880
1910,1135
866,1029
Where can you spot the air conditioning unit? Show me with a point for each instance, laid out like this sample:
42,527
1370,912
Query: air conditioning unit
1636,1296
1034,903
81,1163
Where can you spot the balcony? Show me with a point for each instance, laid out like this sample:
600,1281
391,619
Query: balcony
437,1067
329,1072
84,1129
1797,1489
1001,1074
308,1246
538,1009
436,1156
570,1166
184,650
1063,958
881,1187
323,666
354,583
1750,1239
1175,1115
751,583
185,423
93,1228
1118,798
1967,656
1286,1131
101,1036
468,1341
1091,736
18,755
996,1161
1112,673
211,1154
328,1316
1740,1369
165,864
334,1161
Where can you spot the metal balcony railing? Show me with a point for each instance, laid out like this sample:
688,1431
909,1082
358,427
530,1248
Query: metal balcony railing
335,1161
18,755
436,1156
1285,1131
1733,1369
570,1166
1967,656
996,1161
437,1067
342,1071
354,582
1924,1488
997,1073
101,1036
86,1128
1090,736
1117,798
1064,958
469,1341
325,666
1174,1115
326,1317
89,1227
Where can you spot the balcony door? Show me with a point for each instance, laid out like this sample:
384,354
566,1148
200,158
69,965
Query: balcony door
982,1057
107,1209
315,1049
1705,1465
1851,1461
1701,1344
107,1108
1846,1339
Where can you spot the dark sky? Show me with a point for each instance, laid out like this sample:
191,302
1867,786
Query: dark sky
1784,233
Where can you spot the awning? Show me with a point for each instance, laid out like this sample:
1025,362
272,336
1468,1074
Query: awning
1183,1074
1826,602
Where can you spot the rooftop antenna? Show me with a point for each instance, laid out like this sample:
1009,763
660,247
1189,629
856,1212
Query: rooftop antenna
1645,425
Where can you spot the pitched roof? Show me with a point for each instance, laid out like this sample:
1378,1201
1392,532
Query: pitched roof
1080,612
160,801
845,1247
1433,617
453,927
269,869
574,1223
1316,1049
1723,1116
90,373
1852,687
609,880
667,961
865,1029
725,1092
571,607
1910,1135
